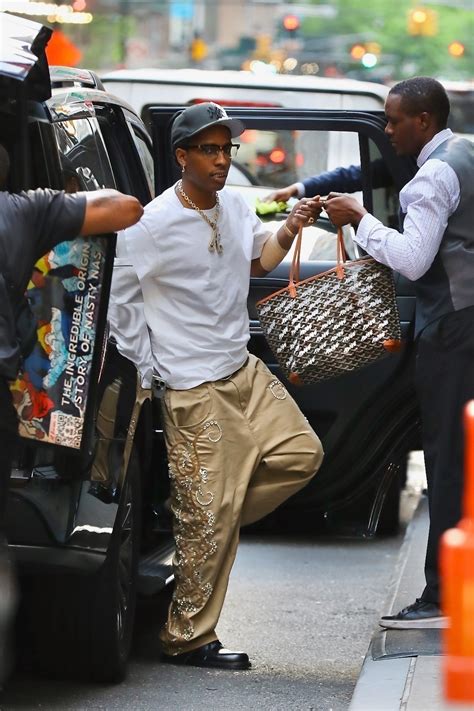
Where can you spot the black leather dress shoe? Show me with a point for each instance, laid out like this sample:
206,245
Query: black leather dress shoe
212,655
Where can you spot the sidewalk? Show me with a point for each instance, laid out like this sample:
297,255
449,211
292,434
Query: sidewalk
402,668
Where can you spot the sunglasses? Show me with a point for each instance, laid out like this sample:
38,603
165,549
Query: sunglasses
212,150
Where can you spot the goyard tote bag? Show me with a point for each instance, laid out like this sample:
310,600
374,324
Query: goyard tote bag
332,323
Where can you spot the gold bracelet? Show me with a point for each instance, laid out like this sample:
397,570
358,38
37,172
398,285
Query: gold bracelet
288,231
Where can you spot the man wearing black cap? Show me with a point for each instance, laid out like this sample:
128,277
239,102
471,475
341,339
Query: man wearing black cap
238,445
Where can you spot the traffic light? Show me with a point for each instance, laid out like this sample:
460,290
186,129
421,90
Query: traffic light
456,49
422,21
357,51
291,24
366,53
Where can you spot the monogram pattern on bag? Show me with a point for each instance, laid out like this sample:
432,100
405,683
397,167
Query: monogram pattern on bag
332,326
193,530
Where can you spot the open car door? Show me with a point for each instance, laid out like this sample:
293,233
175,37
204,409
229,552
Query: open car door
368,420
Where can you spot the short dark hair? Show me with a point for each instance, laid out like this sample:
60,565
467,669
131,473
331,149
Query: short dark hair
4,165
420,94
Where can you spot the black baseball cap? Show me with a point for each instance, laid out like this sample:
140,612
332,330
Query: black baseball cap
200,116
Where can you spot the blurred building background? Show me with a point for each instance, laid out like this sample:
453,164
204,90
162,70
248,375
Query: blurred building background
378,40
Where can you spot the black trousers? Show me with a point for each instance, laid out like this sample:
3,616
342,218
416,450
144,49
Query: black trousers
8,441
445,382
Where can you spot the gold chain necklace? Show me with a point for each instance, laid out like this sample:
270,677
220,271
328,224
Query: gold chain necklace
215,244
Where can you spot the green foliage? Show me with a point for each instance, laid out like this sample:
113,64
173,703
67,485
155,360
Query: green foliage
386,22
102,42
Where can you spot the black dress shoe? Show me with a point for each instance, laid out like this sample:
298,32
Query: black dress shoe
212,655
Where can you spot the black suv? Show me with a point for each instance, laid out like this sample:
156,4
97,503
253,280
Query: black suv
86,522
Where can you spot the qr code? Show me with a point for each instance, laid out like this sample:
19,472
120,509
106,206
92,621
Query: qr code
66,430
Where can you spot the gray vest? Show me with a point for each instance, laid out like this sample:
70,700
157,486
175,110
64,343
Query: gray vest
448,285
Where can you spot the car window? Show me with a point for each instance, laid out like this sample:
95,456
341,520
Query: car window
84,161
278,158
293,156
145,156
384,193
461,116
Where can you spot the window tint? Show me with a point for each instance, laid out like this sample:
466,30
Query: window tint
384,194
461,116
277,158
84,161
146,157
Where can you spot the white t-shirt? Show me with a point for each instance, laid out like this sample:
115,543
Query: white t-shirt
195,301
126,316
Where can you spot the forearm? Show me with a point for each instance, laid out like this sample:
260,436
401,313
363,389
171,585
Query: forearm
405,252
339,180
274,251
108,211
305,212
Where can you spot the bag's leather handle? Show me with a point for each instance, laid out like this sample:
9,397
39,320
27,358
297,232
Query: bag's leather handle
295,264
341,256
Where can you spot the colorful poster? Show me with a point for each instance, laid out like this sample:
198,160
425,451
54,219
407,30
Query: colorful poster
65,293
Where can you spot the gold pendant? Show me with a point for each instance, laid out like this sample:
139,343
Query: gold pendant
215,243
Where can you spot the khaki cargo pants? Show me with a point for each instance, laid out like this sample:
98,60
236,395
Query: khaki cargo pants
237,448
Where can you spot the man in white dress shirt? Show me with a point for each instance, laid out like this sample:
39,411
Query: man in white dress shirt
434,249
238,445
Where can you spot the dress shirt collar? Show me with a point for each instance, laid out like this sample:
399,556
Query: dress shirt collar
429,147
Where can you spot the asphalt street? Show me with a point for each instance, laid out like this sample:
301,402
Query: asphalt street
303,608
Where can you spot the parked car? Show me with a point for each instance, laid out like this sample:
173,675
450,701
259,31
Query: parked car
82,540
85,524
143,88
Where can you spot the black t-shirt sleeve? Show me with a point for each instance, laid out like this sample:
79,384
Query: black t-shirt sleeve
56,217
31,224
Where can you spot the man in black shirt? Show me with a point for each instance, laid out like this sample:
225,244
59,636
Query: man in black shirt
31,224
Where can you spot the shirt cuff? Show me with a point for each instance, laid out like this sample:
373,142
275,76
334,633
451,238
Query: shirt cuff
366,225
301,190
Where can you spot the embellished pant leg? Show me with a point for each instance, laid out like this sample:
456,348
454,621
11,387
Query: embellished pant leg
237,448
210,465
291,452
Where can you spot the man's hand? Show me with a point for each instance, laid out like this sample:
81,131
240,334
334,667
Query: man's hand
283,194
343,210
305,212
109,211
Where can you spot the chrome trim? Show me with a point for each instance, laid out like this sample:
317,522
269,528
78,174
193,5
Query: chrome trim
81,77
84,98
22,44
